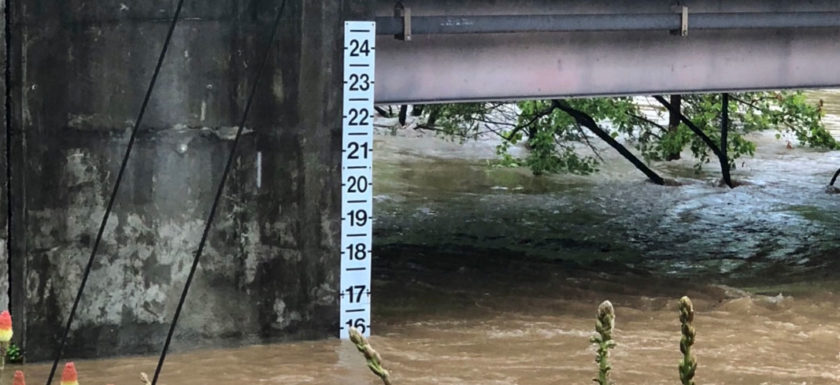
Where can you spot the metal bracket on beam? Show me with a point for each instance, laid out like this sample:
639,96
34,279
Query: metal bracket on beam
683,11
401,11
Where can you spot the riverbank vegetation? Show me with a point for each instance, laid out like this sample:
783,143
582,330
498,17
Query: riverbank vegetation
554,131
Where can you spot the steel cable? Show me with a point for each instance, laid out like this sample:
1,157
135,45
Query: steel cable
115,190
219,192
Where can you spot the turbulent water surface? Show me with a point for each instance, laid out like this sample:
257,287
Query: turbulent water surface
492,276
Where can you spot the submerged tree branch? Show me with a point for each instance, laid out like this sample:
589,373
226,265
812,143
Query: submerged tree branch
720,151
586,121
588,143
382,111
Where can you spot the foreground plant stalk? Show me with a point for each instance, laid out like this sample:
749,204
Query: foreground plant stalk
688,364
604,324
374,361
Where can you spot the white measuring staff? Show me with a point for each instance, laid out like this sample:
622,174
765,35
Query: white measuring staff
357,176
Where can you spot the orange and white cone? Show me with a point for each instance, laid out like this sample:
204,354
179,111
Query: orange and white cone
18,378
69,376
5,327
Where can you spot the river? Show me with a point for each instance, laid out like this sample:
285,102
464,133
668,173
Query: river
492,276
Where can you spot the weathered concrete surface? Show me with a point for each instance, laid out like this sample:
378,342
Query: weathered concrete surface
270,268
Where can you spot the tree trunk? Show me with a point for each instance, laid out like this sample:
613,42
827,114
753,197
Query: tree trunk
403,113
724,134
724,159
586,121
834,179
433,115
674,122
693,127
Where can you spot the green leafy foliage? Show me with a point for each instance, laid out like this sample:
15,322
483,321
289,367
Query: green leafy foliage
14,355
554,140
705,112
788,112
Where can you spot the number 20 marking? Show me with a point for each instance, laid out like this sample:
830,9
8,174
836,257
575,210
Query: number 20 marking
357,184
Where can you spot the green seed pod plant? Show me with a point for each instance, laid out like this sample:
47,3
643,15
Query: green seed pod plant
604,324
374,361
688,364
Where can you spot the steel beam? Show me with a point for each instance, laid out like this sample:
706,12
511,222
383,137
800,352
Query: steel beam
526,65
429,25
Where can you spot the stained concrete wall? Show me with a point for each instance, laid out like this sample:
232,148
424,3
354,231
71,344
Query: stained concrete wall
270,269
4,201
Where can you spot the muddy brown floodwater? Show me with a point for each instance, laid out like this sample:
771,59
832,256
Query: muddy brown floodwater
493,276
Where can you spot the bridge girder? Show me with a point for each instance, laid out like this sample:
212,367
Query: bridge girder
446,67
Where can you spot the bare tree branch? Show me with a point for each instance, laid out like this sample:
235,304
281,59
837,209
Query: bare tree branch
588,143
586,121
646,120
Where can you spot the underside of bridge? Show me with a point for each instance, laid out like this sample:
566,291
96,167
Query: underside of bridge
524,49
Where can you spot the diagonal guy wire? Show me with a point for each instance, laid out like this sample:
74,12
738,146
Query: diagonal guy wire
116,189
219,192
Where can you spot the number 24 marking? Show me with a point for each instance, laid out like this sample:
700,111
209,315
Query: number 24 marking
357,48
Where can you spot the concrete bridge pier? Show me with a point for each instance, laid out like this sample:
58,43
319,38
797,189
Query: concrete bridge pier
78,71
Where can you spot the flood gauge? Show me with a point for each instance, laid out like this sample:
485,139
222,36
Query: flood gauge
357,177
